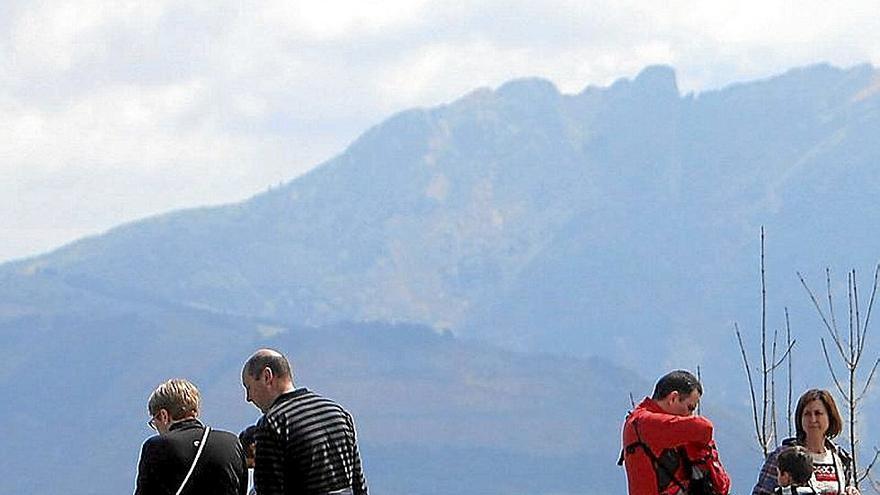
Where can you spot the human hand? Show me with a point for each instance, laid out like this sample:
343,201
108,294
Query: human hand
851,490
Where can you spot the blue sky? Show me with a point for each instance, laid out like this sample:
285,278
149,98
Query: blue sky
112,111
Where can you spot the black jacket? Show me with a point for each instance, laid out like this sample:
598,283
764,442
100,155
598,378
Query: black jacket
165,460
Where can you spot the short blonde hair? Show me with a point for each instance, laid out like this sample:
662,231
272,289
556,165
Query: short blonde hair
178,396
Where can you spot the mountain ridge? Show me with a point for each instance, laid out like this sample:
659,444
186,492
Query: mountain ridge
586,240
486,181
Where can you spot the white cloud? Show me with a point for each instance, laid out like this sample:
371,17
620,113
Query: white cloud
48,36
55,36
116,110
336,19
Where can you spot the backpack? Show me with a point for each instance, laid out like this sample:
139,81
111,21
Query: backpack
708,476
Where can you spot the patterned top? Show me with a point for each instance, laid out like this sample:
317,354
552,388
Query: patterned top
794,490
306,444
842,465
827,474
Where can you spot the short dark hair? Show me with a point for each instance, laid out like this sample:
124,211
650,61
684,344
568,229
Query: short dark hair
681,381
273,360
835,423
797,462
248,436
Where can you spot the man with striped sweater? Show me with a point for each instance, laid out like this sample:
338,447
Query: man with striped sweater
306,444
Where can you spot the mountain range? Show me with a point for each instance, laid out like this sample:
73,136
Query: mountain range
488,270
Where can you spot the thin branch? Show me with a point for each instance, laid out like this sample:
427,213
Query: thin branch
773,425
857,356
831,331
850,294
790,346
867,471
742,349
782,359
874,484
870,307
699,380
830,299
868,381
764,370
831,369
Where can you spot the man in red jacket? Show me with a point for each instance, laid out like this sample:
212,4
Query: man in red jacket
658,433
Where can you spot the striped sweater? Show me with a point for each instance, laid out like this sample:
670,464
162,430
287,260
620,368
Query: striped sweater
306,444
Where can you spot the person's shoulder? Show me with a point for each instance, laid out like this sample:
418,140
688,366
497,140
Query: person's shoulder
785,444
643,409
224,443
155,443
298,400
334,405
307,394
225,435
658,420
788,442
154,440
701,419
840,452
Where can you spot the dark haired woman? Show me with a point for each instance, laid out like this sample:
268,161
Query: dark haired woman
817,422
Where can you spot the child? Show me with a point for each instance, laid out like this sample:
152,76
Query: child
794,471
249,444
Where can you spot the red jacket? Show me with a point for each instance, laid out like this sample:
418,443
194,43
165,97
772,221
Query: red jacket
660,431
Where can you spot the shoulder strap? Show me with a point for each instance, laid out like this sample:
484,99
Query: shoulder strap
198,454
629,449
846,462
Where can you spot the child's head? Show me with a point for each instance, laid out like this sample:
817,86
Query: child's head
248,442
795,466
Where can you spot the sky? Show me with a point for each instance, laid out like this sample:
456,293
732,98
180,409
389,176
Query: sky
111,111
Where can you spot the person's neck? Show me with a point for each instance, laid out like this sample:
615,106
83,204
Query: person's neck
181,420
281,390
814,444
172,424
664,405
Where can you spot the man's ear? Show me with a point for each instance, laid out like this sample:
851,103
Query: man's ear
164,416
268,375
674,396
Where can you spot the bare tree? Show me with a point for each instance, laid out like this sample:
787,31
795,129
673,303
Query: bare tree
765,423
850,350
700,380
788,344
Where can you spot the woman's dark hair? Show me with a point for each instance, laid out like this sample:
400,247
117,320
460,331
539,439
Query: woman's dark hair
835,424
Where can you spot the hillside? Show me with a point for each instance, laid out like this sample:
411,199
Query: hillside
519,214
487,267
435,415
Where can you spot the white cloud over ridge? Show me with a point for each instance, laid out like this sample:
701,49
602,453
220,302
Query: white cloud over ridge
117,110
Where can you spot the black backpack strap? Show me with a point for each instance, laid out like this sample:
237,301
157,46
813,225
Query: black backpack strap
630,449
